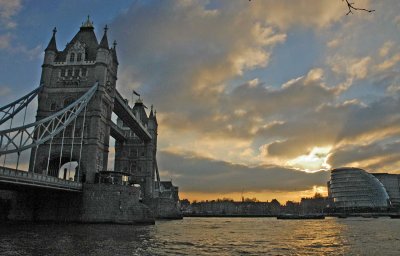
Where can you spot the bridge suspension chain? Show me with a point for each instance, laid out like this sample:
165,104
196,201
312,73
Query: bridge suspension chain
10,110
37,133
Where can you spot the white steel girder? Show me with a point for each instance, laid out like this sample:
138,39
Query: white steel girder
28,136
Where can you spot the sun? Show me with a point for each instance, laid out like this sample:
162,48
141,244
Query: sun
316,160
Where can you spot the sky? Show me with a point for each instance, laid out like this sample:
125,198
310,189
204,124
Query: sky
254,98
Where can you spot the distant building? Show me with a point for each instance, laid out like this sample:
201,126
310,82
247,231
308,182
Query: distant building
391,182
230,207
317,204
168,190
355,189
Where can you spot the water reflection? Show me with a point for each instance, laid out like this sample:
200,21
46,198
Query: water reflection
207,236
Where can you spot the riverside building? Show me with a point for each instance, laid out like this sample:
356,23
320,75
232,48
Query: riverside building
354,189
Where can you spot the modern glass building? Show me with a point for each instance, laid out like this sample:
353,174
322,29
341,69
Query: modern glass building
354,188
391,182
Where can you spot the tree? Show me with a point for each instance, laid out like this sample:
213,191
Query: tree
351,7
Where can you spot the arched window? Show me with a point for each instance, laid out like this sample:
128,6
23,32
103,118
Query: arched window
72,57
79,57
53,106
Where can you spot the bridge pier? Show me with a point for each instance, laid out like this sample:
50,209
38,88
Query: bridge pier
98,203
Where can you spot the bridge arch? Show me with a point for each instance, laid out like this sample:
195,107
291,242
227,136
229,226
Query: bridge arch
56,164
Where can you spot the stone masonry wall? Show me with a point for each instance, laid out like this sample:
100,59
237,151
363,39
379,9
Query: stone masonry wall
165,208
104,203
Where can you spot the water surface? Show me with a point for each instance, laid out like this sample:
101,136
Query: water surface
207,236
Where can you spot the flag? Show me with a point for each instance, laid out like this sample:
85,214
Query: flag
137,94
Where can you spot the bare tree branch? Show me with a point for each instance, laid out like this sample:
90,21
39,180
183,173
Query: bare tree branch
352,7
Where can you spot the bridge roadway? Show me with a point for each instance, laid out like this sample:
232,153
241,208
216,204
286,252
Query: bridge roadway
123,111
16,179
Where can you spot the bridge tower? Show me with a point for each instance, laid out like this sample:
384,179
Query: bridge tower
66,75
137,156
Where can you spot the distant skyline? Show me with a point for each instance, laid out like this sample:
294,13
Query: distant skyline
258,98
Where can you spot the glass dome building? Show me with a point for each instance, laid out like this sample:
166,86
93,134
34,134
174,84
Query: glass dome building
354,188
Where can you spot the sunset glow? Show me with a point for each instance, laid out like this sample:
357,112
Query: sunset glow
257,98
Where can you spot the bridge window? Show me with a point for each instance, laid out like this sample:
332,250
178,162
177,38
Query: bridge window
79,57
69,72
72,57
84,72
53,106
63,72
76,72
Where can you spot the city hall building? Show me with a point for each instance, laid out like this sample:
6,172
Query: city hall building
354,189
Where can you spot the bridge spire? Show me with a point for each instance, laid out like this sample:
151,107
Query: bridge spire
104,40
87,23
52,46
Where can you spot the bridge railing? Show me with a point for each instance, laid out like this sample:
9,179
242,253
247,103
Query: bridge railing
12,176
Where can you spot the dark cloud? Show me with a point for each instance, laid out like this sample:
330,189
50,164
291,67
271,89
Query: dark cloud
380,154
198,174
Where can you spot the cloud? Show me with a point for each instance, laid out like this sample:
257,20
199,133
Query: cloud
287,13
4,90
187,57
378,156
199,174
5,41
179,49
354,68
7,10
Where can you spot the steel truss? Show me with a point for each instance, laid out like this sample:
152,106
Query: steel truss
31,135
9,111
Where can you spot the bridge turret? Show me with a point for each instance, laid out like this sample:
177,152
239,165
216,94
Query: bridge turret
51,49
103,52
152,124
66,75
50,54
140,112
104,40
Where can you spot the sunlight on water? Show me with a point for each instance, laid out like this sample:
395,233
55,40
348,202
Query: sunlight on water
207,236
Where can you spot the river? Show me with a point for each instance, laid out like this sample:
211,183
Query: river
207,236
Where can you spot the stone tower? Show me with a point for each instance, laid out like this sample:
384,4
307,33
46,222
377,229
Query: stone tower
66,75
136,156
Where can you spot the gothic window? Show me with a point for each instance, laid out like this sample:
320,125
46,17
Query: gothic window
72,57
62,72
69,72
76,72
79,57
53,106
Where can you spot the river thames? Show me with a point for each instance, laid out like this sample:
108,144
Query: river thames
207,236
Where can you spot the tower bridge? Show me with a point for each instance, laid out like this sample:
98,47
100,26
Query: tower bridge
76,98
